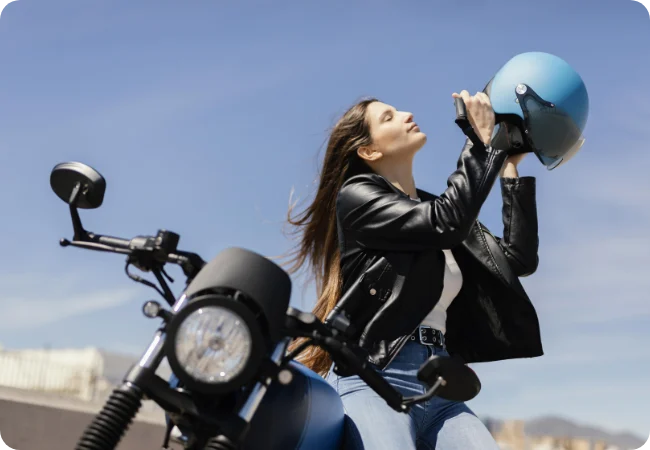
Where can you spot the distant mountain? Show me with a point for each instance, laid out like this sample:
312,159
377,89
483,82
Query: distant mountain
561,427
557,426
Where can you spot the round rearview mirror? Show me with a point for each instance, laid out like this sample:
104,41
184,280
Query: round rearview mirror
461,382
66,176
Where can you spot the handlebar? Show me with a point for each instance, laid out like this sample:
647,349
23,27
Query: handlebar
344,355
437,372
145,251
303,324
113,242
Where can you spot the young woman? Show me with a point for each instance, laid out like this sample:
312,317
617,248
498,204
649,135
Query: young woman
417,274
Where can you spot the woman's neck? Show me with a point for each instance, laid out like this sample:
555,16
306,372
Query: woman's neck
400,176
408,187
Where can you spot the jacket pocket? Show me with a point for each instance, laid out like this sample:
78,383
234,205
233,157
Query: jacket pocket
365,297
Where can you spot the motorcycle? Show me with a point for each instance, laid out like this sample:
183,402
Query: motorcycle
235,386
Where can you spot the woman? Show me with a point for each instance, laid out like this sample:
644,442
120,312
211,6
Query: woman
415,274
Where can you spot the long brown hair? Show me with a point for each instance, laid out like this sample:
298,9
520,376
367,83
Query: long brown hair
318,246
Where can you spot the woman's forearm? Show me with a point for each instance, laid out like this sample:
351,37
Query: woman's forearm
509,170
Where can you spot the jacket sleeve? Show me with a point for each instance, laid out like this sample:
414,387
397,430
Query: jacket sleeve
372,213
520,240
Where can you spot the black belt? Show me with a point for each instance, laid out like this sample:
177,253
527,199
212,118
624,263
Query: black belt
426,335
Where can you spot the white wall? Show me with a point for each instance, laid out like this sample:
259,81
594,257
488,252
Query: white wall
71,372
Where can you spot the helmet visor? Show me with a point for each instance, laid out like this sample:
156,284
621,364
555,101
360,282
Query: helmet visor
550,132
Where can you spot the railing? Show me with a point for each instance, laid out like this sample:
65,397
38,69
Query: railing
40,374
81,380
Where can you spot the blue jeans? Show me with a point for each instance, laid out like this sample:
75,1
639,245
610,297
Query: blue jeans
436,424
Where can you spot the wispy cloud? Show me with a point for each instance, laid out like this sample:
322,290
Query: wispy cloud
33,301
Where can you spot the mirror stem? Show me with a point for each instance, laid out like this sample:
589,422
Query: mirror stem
427,395
79,232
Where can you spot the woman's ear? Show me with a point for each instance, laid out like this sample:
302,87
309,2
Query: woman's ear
367,153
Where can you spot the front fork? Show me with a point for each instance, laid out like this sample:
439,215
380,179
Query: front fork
109,425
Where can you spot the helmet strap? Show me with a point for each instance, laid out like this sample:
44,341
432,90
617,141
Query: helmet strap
509,137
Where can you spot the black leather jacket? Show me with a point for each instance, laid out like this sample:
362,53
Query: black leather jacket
393,265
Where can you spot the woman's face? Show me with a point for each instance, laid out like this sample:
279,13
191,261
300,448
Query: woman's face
394,134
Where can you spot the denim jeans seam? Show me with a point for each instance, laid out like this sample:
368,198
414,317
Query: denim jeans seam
423,442
358,442
425,406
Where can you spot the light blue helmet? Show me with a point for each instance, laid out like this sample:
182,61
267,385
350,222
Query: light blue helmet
547,100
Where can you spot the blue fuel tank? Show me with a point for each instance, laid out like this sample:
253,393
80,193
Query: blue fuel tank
306,414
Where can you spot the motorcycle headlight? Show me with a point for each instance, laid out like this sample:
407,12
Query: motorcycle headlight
214,344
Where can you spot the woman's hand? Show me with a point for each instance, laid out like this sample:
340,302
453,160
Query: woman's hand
479,113
510,167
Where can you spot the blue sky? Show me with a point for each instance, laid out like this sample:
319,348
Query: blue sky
204,115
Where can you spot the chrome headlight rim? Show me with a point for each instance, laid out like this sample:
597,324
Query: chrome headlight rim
254,359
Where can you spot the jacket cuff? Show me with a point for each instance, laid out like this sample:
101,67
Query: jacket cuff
519,181
522,188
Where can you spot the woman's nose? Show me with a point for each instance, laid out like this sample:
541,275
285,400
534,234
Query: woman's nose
409,117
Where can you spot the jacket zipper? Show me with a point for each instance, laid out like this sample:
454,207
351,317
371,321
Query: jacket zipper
487,247
406,338
485,230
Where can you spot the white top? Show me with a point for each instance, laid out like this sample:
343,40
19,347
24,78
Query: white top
452,283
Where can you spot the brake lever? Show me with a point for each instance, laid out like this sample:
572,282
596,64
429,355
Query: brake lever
92,246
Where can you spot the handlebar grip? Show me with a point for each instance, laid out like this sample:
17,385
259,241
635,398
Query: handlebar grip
114,242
